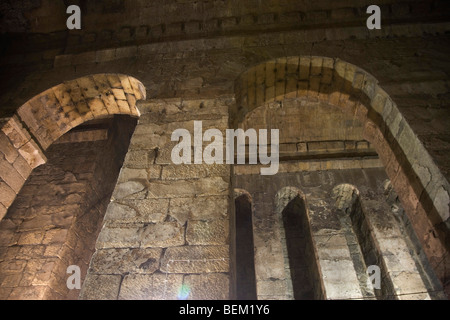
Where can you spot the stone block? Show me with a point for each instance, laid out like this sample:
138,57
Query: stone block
148,141
13,266
195,171
32,154
138,211
211,286
10,175
3,211
11,280
119,213
55,236
54,250
407,283
16,133
398,261
316,66
271,288
97,107
166,234
40,222
137,159
105,55
164,154
127,189
186,188
6,147
119,237
151,287
268,259
195,259
340,280
31,238
22,167
29,293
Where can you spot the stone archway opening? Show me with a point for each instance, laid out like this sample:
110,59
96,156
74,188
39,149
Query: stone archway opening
80,137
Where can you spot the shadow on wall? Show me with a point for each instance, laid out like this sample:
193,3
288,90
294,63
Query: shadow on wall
423,193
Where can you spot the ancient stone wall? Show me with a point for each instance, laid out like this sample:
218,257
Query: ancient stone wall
337,251
56,218
166,232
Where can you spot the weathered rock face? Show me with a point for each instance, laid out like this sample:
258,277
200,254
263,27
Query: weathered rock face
347,100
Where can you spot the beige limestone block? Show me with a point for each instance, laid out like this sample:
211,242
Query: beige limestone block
166,234
210,286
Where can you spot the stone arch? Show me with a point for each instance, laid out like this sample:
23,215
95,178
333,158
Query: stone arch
302,272
420,185
46,117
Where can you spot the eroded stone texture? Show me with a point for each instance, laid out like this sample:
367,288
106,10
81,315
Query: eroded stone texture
208,62
166,222
120,261
151,287
207,286
101,287
352,226
57,216
207,232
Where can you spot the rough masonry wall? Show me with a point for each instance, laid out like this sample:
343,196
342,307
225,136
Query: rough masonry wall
55,220
337,253
166,231
42,24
